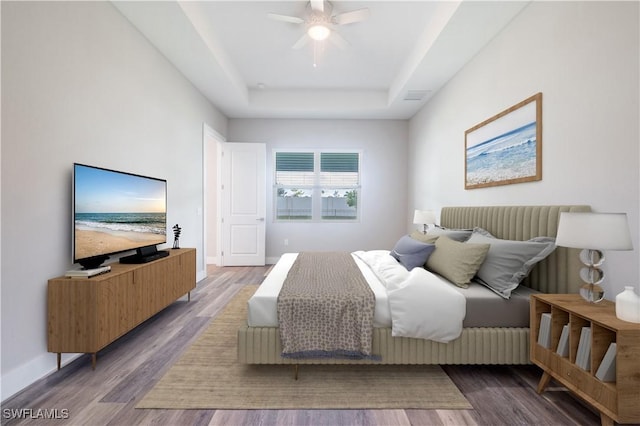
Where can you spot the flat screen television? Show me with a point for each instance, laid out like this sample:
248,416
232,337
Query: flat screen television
115,211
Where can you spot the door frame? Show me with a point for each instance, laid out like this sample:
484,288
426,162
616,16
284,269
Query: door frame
209,137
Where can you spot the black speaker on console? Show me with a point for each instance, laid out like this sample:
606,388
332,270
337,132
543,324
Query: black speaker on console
145,255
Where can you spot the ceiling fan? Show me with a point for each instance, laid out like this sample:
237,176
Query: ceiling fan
320,23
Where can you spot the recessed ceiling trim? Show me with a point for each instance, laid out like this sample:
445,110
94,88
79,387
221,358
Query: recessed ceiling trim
195,15
318,99
408,45
433,28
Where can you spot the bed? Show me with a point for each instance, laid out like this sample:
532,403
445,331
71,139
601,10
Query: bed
493,344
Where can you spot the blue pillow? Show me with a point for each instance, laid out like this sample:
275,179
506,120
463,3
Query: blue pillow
412,253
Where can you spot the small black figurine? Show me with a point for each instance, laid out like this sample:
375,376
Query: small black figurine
176,239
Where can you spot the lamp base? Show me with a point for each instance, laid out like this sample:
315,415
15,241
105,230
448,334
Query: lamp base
592,293
592,275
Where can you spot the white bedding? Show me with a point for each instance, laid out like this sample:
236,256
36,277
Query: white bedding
414,304
263,310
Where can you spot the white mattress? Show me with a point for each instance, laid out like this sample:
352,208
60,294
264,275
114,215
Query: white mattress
262,306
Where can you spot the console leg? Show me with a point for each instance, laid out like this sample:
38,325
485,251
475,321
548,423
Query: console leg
94,357
606,420
189,297
59,356
544,382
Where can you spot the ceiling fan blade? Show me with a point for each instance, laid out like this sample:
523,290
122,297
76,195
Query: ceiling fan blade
317,5
302,41
338,40
351,17
285,18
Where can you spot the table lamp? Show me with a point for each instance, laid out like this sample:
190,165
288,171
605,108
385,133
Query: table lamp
593,233
424,217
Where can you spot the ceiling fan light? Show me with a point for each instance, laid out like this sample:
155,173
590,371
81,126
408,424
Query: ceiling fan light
318,32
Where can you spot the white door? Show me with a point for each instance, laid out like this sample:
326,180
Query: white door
243,189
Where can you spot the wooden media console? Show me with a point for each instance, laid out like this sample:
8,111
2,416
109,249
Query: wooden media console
86,314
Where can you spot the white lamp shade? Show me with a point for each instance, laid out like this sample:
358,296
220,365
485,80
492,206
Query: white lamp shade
595,231
424,217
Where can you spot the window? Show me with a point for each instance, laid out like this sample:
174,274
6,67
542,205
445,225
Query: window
316,185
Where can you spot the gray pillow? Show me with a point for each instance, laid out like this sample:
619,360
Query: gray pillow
461,235
458,262
425,238
411,253
508,262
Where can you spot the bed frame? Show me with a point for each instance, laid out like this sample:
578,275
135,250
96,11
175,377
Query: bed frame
558,273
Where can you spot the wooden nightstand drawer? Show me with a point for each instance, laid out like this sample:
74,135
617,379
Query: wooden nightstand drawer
546,357
583,381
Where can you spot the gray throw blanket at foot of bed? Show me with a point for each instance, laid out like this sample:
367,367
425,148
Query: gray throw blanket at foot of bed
325,308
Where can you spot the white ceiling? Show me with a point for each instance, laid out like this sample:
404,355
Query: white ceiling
244,63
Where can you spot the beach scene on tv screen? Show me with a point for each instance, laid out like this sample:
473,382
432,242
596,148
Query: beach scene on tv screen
116,212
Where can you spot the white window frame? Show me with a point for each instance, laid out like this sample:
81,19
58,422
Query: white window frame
316,187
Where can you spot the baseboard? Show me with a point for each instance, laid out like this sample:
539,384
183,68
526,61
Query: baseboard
268,260
18,379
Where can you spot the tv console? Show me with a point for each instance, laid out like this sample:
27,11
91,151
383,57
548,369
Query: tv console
84,316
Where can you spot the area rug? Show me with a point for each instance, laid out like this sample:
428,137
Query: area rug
208,376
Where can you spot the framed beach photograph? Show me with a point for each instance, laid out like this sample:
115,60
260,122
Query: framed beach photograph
506,148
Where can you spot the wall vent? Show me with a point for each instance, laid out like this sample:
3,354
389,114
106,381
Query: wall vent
415,95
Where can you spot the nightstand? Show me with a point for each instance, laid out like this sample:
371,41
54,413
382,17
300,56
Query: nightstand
617,400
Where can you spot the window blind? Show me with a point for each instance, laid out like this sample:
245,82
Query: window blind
295,168
317,185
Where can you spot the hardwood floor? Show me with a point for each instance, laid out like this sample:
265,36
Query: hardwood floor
127,369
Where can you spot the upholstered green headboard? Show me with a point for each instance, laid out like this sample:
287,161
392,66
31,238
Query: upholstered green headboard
558,273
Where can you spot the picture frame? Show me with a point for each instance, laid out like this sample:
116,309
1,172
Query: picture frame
506,148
